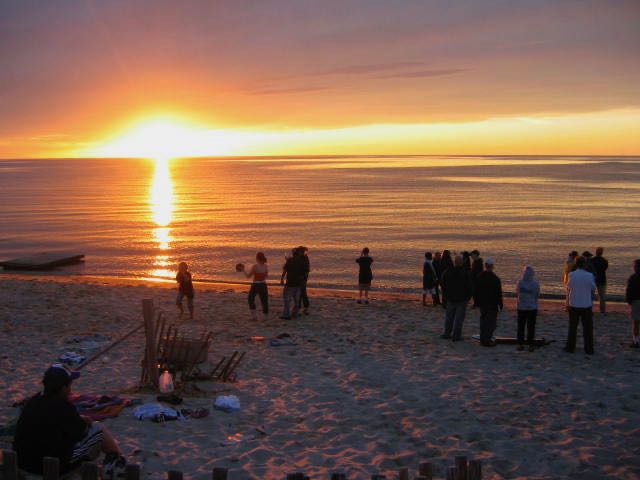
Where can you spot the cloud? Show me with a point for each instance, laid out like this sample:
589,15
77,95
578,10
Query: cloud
286,91
425,73
367,69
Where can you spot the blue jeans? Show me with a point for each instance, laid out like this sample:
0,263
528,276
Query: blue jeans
291,293
454,318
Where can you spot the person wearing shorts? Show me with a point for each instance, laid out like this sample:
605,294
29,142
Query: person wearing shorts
50,426
632,296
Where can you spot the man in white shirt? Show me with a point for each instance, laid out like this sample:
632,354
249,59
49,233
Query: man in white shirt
580,288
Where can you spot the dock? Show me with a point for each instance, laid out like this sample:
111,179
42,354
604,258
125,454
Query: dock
43,261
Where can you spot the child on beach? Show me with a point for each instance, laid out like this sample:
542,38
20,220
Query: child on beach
365,275
185,288
259,271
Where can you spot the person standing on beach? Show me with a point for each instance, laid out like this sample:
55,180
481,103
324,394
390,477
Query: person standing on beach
445,264
429,280
50,426
466,260
185,288
259,271
488,292
580,289
569,266
303,290
528,291
457,289
476,269
600,266
365,275
632,296
436,266
293,270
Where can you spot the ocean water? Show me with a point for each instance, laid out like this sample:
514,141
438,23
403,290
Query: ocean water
138,217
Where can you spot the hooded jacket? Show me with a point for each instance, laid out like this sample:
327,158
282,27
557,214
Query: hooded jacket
528,290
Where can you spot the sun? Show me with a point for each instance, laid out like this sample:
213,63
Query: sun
168,137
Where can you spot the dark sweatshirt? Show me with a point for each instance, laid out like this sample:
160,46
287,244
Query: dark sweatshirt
488,292
633,288
457,284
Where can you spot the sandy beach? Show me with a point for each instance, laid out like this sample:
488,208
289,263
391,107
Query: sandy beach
366,389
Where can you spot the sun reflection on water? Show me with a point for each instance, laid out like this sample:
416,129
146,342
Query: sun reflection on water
162,207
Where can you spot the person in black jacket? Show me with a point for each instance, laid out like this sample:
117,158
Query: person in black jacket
50,426
476,269
457,289
444,264
600,265
436,265
632,296
488,293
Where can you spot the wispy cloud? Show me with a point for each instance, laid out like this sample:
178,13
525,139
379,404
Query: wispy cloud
367,69
425,73
286,90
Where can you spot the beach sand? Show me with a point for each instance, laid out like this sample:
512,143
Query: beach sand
367,389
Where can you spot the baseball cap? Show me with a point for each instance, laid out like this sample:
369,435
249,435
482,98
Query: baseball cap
489,261
57,375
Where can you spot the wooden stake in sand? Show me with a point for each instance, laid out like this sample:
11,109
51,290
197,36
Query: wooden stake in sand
150,335
50,468
219,474
9,467
462,466
425,469
475,470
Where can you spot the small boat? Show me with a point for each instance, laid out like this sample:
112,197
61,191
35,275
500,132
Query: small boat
43,261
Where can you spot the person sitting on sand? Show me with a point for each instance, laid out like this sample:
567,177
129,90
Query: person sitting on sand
528,291
50,426
259,271
294,271
457,289
429,280
185,288
580,290
488,293
365,275
632,296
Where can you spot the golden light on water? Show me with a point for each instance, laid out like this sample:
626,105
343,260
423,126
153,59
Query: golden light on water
162,207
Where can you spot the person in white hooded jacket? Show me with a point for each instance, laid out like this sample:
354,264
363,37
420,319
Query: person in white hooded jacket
528,291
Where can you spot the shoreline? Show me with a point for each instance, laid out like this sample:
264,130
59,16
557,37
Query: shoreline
241,286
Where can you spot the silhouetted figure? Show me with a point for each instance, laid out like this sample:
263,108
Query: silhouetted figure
429,280
294,271
632,296
528,291
600,266
457,289
436,265
185,288
580,289
488,293
259,271
569,266
365,275
466,260
446,262
477,266
303,290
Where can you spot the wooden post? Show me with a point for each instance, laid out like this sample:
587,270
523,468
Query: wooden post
132,472
376,476
89,471
50,468
338,476
219,474
150,337
403,473
174,475
452,473
426,470
295,476
462,466
475,470
9,465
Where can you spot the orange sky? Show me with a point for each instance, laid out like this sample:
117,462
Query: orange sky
85,78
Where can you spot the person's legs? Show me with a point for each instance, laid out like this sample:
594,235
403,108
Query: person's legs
304,297
179,302
286,297
359,293
366,293
264,297
531,327
253,291
295,293
602,295
449,315
424,298
190,305
491,321
573,330
458,319
587,329
522,321
484,326
634,313
436,295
